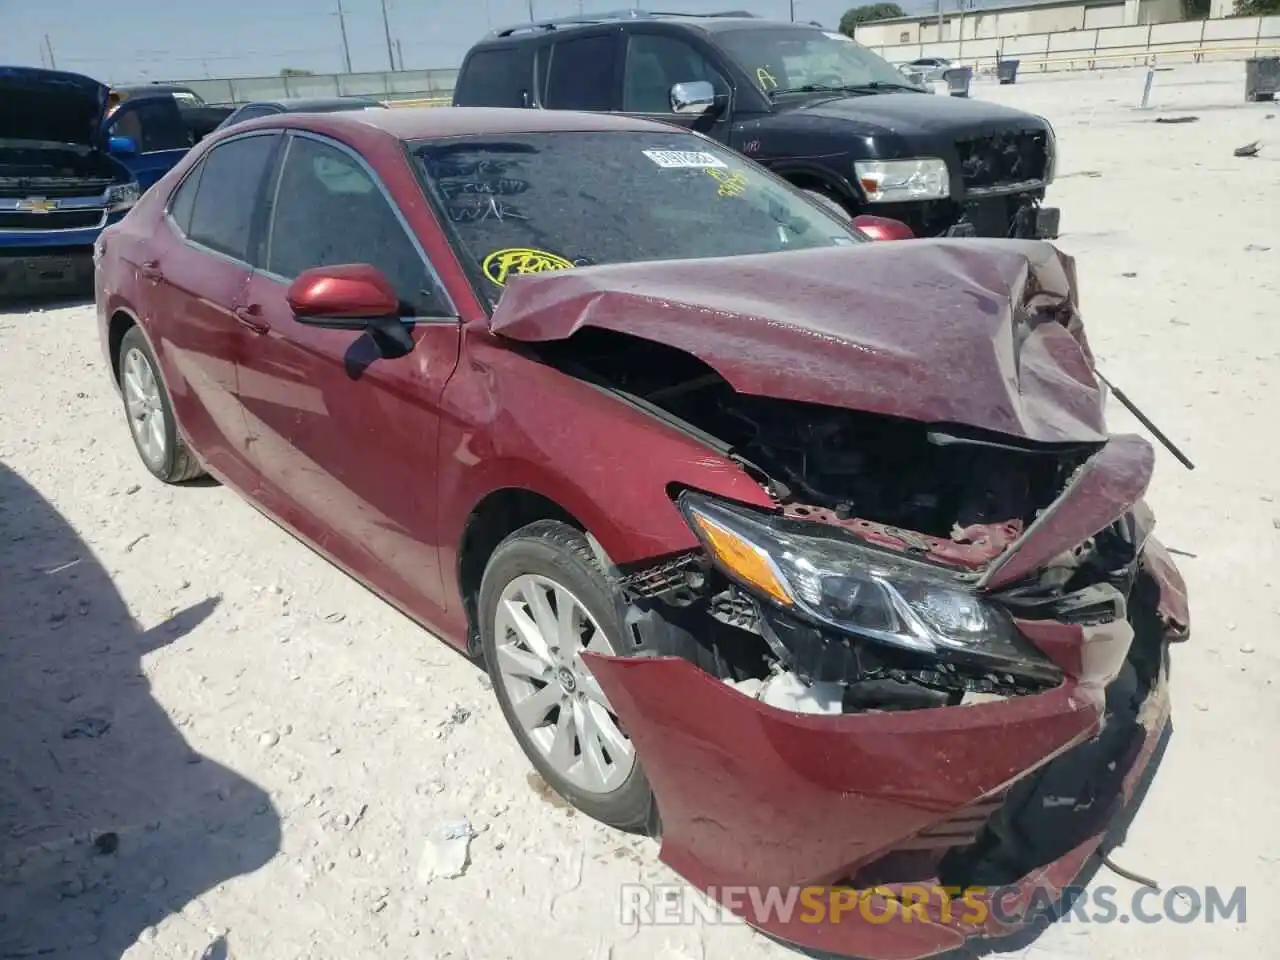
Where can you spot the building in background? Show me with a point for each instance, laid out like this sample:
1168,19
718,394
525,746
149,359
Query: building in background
1016,19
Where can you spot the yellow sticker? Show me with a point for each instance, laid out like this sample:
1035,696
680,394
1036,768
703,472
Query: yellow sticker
766,79
733,183
500,264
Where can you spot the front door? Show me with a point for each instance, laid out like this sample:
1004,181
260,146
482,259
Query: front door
655,62
194,276
344,438
156,126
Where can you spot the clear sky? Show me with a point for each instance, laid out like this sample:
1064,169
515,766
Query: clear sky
123,40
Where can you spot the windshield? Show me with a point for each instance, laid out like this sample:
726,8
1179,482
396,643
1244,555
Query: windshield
526,203
794,58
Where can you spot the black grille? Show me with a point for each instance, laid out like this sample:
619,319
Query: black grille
53,187
989,163
57,220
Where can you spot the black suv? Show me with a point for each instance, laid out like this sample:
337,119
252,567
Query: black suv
815,107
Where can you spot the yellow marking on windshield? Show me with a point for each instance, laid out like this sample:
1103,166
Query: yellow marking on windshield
500,264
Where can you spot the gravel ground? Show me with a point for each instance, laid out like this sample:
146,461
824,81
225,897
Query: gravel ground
268,746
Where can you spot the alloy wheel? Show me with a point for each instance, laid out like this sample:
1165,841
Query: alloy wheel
541,631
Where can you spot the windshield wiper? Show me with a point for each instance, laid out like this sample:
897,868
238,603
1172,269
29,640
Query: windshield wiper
875,86
885,85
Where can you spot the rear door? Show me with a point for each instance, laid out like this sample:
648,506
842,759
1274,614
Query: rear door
196,279
655,62
344,438
163,137
583,72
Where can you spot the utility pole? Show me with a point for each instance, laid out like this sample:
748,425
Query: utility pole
386,28
48,44
346,47
793,11
532,18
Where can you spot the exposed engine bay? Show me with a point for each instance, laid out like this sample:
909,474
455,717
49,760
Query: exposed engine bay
27,170
952,499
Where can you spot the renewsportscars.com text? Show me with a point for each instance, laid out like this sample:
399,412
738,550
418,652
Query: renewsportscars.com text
678,904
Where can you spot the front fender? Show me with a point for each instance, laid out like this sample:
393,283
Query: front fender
511,422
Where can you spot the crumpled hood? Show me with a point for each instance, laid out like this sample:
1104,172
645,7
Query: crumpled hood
916,115
981,333
51,106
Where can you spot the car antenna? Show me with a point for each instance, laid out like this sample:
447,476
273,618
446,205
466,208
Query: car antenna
1146,422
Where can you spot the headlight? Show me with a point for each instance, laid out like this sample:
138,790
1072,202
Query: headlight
1051,161
122,196
858,590
886,181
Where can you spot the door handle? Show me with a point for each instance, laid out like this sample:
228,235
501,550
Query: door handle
251,317
151,271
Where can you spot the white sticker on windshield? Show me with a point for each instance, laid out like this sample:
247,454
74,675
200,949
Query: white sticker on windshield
683,159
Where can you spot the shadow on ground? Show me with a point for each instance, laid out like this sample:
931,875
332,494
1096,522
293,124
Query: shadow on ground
109,822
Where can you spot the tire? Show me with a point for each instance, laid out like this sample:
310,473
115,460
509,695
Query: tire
149,413
554,560
822,199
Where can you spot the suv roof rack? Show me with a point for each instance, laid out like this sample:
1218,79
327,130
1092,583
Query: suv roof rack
584,19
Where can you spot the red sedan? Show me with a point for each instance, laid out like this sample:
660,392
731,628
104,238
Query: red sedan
812,554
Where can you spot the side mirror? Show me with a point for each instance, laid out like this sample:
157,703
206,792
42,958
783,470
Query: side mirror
350,296
696,96
122,147
883,228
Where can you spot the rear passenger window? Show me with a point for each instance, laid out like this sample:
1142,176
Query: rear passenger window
581,74
329,210
230,185
496,78
183,202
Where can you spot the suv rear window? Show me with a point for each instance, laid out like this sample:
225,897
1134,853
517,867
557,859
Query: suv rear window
496,78
533,202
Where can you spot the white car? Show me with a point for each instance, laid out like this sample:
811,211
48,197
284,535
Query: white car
928,68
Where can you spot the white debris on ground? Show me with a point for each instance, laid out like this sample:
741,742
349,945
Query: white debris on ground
214,744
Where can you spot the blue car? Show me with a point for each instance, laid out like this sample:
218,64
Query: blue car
62,178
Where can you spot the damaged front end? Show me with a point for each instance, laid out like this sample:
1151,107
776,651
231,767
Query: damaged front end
838,702
939,658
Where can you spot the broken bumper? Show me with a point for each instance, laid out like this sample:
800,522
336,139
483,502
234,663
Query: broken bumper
38,273
1028,222
755,797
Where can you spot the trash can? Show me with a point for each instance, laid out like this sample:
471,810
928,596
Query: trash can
958,80
1261,78
1007,71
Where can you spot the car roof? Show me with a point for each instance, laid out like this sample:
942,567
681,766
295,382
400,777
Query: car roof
429,123
308,104
708,23
158,89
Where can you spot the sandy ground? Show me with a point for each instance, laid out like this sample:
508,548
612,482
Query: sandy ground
271,745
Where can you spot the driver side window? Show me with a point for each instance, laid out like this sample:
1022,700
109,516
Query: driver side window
154,124
329,210
654,65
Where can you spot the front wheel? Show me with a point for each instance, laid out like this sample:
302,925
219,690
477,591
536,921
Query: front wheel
544,601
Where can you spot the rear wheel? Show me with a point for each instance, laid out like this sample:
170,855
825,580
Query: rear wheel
150,415
544,601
